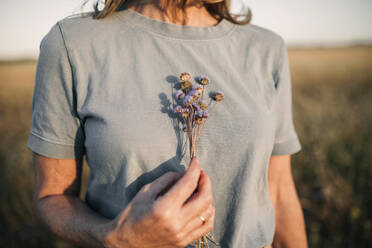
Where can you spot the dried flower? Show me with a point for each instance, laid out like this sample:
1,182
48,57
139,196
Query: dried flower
177,109
196,106
199,120
195,111
179,94
202,113
205,113
217,96
185,112
185,77
186,86
194,94
203,104
187,101
204,80
199,113
198,88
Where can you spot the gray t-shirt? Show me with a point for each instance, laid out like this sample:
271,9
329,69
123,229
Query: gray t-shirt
104,89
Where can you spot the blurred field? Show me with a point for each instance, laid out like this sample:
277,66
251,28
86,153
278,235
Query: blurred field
332,95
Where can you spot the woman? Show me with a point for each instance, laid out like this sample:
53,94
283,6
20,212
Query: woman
103,88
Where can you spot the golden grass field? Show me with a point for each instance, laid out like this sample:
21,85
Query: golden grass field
332,103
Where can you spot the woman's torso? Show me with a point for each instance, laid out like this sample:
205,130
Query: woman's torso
124,75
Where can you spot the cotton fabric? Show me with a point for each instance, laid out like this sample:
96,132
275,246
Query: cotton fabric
104,90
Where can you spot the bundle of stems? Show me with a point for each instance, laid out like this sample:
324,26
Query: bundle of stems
194,112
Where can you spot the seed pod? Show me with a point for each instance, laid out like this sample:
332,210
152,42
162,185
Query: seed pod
204,80
198,88
217,96
185,77
186,86
199,121
203,104
185,112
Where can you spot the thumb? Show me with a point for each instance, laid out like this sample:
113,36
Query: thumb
185,186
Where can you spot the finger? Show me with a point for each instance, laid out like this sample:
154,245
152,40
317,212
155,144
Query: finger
202,230
200,201
196,222
185,186
161,184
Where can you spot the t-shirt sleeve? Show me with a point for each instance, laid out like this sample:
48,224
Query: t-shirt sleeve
56,129
286,139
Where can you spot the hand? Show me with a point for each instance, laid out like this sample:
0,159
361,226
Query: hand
162,214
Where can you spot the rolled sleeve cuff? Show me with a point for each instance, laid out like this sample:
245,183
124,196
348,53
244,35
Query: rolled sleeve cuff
52,149
287,147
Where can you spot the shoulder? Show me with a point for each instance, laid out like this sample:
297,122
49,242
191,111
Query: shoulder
266,44
79,30
262,37
84,25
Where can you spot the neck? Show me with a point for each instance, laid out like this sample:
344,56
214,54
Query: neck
195,13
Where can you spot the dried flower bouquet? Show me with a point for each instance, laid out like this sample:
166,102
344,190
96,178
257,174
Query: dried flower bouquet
194,111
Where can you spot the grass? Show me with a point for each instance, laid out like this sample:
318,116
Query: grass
332,91
332,96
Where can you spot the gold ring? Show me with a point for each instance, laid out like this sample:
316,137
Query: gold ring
202,219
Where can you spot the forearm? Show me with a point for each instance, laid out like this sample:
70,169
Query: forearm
290,225
70,218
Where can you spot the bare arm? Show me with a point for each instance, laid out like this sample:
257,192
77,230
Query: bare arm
290,225
158,216
57,203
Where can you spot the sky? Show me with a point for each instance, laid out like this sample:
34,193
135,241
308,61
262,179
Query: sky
301,23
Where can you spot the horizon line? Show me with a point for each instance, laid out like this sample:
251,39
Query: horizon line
290,45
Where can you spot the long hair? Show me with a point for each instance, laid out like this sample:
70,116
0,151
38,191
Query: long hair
219,9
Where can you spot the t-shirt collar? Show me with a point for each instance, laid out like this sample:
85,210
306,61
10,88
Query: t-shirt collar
171,30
